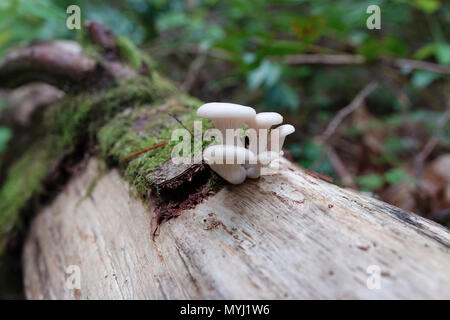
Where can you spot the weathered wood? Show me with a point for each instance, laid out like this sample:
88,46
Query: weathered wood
285,235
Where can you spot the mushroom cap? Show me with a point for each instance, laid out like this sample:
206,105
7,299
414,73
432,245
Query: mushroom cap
267,119
217,110
215,153
286,129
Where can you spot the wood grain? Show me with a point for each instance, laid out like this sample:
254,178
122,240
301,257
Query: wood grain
287,235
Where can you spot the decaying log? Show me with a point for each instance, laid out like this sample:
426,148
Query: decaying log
59,63
285,235
56,62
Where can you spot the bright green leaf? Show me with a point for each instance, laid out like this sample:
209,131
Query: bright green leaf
427,6
395,176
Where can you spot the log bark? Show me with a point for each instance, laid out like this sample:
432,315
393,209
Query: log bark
286,235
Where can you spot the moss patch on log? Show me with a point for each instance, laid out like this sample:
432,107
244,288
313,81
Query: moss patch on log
24,180
108,116
135,130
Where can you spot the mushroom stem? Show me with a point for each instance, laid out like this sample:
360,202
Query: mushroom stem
233,173
227,161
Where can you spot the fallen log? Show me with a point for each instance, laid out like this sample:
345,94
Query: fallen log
287,235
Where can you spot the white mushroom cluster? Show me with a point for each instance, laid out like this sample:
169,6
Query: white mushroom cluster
231,159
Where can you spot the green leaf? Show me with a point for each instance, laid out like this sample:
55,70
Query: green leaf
422,79
282,96
5,136
267,74
395,176
389,45
310,153
371,182
443,53
425,51
427,6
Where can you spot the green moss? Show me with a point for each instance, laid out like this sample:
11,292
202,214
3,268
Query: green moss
120,137
70,123
128,52
23,182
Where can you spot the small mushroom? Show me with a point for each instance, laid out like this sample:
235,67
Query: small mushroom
226,116
264,121
227,161
258,140
281,132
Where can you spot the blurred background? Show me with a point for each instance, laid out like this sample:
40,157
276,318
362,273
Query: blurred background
281,56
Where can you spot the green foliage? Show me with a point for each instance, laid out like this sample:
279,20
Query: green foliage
5,133
266,75
5,136
395,176
389,46
373,182
22,183
422,79
370,182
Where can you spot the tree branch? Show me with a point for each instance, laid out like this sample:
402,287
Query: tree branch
348,59
343,113
54,62
432,143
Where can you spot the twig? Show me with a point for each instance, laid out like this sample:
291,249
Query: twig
336,121
337,164
340,116
419,65
181,123
135,154
324,59
432,143
348,59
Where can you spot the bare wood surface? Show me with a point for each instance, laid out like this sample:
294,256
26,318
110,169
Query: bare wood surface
285,235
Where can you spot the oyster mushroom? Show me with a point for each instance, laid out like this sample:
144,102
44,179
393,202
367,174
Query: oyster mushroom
262,122
227,161
227,116
258,139
277,137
